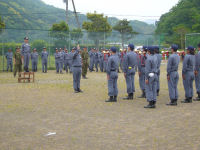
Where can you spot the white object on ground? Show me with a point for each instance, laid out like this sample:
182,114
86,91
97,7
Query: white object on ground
50,133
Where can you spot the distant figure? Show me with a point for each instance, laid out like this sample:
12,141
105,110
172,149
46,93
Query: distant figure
112,75
85,57
61,60
57,60
9,58
67,63
44,57
17,62
197,73
26,53
34,60
91,54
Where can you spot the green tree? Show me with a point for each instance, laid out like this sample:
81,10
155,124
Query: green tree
2,25
98,28
125,30
76,34
39,44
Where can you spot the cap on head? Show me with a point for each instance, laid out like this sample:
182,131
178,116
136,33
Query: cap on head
190,48
17,47
113,49
131,46
44,48
74,48
56,48
34,49
145,48
26,38
174,47
151,49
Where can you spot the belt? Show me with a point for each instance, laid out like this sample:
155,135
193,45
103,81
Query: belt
76,66
113,70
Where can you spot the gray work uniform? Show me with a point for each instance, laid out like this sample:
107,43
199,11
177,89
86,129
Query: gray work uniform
141,69
129,68
172,72
105,61
91,66
9,58
197,68
188,72
57,61
61,60
26,53
151,87
76,69
34,61
44,57
67,61
96,60
159,60
112,72
101,61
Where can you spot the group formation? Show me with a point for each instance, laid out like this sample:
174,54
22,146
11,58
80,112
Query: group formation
147,62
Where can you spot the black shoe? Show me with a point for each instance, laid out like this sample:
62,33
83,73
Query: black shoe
115,99
143,95
131,96
76,91
158,92
128,97
110,99
172,103
187,100
79,90
150,105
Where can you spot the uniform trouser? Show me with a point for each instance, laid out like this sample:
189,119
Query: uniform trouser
96,64
112,84
67,65
34,65
151,89
101,65
188,84
158,81
61,65
197,82
44,66
57,63
9,64
76,77
91,64
142,80
172,85
130,82
26,61
84,69
18,68
105,63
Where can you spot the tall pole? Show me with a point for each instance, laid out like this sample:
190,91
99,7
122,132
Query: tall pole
67,10
76,14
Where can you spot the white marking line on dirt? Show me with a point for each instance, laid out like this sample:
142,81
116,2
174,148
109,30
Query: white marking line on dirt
50,133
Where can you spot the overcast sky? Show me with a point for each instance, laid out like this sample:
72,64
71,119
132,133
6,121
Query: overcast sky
129,9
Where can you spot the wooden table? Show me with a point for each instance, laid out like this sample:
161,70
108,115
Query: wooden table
26,76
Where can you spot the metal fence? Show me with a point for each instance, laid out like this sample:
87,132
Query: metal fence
10,38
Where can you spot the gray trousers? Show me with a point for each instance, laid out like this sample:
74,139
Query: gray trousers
197,82
57,63
34,65
151,89
61,65
67,65
96,62
9,65
105,63
76,77
188,84
44,66
112,84
26,61
101,65
130,79
91,66
142,79
172,85
158,81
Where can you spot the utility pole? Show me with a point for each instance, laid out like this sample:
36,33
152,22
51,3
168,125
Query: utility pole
76,14
67,10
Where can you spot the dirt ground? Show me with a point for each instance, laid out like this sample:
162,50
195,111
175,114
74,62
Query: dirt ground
28,112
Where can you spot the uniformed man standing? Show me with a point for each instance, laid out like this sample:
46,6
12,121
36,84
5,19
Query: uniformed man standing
129,69
57,60
76,69
188,74
91,54
197,73
44,57
172,75
34,60
26,53
9,58
101,60
112,75
141,71
18,60
151,78
84,56
96,59
159,58
61,60
105,59
67,61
